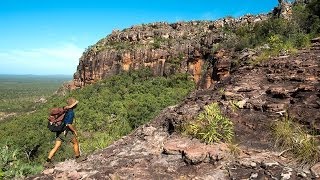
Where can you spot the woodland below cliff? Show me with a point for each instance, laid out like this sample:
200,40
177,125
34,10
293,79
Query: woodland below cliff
261,73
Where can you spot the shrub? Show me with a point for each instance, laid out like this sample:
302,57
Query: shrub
11,166
308,17
211,126
157,42
281,34
300,40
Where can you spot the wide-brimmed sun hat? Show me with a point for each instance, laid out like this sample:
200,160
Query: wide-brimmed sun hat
72,102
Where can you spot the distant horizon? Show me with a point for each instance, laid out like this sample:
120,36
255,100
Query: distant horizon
71,75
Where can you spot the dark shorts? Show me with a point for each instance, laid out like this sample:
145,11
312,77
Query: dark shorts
65,136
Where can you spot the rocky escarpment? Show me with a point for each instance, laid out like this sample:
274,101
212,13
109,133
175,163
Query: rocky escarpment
166,48
262,94
183,47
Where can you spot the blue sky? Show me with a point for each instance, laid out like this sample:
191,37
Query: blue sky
49,36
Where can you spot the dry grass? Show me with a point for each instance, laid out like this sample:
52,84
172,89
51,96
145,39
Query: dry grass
234,149
292,137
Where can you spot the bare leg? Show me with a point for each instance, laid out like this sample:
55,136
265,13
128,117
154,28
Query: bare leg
55,149
75,146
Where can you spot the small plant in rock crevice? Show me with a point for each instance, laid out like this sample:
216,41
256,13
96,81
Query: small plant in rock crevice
211,126
234,149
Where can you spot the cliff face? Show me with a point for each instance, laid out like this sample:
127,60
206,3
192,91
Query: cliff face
185,47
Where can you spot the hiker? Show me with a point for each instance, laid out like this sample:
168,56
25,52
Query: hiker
68,134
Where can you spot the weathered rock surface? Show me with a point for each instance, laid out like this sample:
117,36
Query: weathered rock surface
262,93
182,47
165,48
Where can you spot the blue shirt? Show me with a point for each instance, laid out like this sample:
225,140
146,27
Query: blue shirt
68,118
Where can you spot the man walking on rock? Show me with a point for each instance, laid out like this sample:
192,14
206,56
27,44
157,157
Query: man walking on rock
69,134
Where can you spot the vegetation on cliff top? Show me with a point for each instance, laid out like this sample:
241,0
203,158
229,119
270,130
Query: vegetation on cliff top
272,37
276,35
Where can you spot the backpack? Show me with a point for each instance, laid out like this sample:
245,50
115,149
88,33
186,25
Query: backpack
55,119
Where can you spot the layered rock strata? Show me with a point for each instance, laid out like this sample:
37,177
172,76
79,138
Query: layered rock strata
183,47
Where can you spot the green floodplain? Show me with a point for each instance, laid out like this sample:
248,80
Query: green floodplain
19,92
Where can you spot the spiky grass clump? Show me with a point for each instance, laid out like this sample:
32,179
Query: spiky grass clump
291,137
211,126
283,132
234,149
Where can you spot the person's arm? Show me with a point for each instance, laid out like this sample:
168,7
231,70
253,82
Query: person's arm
66,108
72,129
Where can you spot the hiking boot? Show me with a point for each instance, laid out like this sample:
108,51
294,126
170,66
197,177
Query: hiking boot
81,158
48,165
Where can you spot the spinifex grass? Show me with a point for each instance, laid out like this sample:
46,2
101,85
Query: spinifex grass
292,137
211,126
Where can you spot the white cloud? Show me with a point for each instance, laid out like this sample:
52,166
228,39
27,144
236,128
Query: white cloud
61,59
64,51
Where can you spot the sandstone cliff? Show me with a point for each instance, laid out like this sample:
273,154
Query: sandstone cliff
183,47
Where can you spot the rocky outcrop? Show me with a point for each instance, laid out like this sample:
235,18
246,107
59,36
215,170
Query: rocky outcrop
283,10
183,47
261,94
4,115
